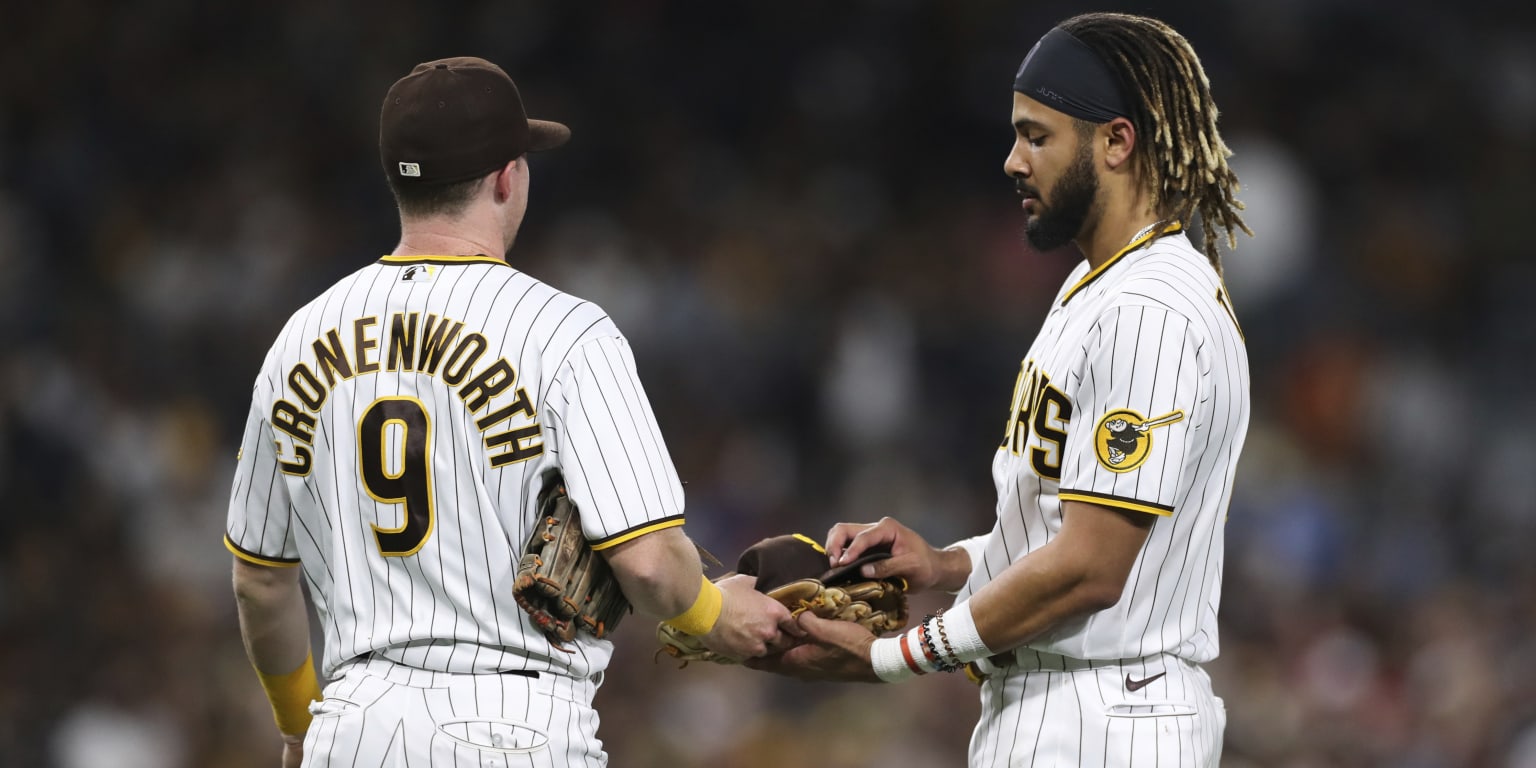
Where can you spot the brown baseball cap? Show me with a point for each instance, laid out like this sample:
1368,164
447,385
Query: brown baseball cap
455,119
779,560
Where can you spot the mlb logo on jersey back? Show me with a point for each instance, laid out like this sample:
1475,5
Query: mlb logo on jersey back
410,169
418,273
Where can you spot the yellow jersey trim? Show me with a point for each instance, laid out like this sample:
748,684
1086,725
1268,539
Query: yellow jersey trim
635,533
476,259
252,557
1119,502
1134,244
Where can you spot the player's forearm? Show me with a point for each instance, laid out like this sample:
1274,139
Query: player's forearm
660,572
1030,597
273,622
1082,571
275,628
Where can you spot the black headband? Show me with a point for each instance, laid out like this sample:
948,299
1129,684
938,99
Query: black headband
1066,75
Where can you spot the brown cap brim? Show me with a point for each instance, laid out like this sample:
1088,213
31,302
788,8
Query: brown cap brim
850,572
546,134
782,559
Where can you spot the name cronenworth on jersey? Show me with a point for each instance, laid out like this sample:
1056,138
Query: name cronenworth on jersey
394,446
434,346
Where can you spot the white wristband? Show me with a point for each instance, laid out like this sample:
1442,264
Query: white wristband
963,641
885,654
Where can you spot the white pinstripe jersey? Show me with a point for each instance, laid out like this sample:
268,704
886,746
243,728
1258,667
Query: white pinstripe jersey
1134,395
395,445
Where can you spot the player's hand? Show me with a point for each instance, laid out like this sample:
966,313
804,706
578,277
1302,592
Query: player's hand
751,623
912,558
830,650
293,750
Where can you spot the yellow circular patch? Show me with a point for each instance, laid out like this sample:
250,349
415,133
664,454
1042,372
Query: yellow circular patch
1121,441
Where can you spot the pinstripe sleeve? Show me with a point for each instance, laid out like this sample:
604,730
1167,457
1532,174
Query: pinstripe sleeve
259,510
1137,399
616,466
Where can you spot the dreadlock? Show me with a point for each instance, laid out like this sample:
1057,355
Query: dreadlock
1186,161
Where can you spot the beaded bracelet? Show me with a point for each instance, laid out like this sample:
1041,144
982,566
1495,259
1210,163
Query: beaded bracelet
929,649
944,637
927,637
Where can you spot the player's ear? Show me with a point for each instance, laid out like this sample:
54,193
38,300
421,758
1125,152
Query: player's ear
1119,139
506,179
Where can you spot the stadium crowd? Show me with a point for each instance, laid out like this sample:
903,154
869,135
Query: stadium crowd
796,211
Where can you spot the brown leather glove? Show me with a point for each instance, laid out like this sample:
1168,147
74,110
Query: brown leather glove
563,585
793,570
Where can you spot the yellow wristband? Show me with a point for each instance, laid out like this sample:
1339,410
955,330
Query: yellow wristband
291,694
700,619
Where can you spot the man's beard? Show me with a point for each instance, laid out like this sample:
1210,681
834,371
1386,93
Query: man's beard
1072,202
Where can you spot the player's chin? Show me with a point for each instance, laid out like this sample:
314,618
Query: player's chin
1033,233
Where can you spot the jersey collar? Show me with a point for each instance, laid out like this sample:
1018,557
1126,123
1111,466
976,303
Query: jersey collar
1142,238
476,259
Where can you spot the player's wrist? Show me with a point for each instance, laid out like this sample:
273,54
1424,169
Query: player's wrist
888,656
959,636
944,642
702,616
952,569
290,695
956,562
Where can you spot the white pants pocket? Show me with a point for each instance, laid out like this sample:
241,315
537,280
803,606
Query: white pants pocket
487,734
353,693
1151,709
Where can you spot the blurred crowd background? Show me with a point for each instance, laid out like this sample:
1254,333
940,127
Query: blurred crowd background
797,213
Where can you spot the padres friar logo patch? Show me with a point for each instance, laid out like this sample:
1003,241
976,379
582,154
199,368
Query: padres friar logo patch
1123,439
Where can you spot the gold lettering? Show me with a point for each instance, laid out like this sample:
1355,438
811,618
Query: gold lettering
402,342
295,423
361,344
302,465
332,359
453,377
521,404
519,451
301,377
489,383
434,345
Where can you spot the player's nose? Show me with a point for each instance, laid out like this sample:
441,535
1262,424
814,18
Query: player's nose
1014,165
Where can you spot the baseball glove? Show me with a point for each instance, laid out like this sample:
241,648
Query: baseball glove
562,584
841,594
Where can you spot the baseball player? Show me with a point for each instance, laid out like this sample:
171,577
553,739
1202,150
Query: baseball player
1087,610
399,433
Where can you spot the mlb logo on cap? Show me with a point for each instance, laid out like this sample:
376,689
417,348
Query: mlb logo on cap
410,169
